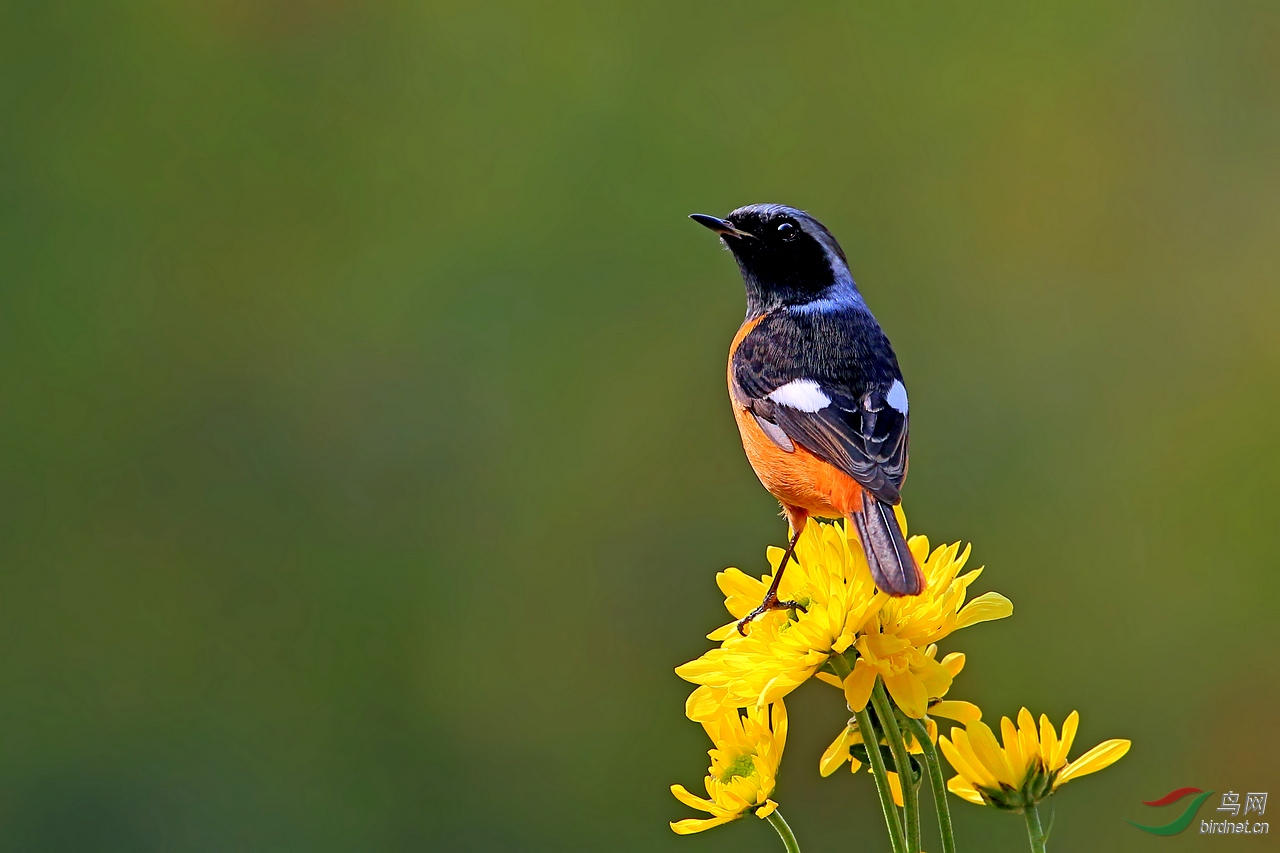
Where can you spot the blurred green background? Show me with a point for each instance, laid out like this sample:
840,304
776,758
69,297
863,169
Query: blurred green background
366,458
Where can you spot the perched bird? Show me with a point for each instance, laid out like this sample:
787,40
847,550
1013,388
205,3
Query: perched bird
816,390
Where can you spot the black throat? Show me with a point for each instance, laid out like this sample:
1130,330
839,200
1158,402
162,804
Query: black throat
773,279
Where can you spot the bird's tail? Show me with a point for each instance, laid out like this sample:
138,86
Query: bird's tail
892,564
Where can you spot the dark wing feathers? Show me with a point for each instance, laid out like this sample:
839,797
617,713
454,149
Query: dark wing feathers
847,355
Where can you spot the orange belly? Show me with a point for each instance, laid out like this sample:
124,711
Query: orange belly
799,479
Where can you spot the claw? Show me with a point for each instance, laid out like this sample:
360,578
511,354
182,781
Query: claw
770,602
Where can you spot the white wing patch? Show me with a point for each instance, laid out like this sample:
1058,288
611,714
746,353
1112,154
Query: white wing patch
897,396
802,394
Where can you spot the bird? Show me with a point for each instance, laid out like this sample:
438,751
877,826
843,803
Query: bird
817,393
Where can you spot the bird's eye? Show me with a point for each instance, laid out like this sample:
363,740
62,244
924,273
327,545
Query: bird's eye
787,230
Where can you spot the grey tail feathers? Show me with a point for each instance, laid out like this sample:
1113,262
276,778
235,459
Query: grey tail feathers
892,565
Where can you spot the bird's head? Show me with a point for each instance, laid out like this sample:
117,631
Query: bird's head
786,256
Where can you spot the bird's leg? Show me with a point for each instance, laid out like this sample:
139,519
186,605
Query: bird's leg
771,601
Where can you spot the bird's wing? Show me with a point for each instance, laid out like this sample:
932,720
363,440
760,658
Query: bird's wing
829,381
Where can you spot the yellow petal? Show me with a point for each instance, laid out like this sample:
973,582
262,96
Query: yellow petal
909,692
954,709
767,809
962,789
953,663
984,608
959,754
881,645
737,582
1101,756
1048,742
1068,738
779,714
682,794
895,788
988,751
704,704
724,632
858,685
741,591
829,678
689,826
836,754
773,689
731,801
934,676
919,546
709,664
1030,744
764,771
1013,748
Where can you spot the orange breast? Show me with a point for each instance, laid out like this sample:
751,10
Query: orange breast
797,479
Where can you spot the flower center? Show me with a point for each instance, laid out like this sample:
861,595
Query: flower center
740,766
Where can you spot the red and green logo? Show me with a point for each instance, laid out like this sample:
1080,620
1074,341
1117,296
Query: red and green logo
1183,820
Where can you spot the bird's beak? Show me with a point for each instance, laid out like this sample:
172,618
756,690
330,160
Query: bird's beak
720,226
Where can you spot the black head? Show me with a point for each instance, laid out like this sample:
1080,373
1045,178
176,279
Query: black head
786,256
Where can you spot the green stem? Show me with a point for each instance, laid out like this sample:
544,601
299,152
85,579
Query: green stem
872,743
936,784
1037,835
784,832
902,760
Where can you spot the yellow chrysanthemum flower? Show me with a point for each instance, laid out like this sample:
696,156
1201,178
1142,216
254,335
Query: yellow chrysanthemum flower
744,767
893,641
829,577
1031,765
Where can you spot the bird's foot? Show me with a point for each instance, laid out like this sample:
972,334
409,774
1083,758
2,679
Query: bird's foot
771,602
